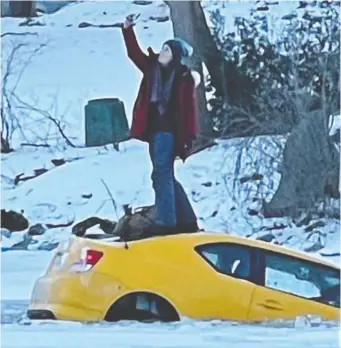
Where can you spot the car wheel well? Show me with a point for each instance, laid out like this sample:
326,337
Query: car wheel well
142,306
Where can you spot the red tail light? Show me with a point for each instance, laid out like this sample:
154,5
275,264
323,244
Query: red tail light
89,258
92,257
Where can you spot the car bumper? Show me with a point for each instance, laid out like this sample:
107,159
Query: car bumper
78,296
40,314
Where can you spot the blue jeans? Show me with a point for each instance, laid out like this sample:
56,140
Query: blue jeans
171,202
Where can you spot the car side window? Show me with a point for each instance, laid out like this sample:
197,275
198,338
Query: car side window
303,278
230,259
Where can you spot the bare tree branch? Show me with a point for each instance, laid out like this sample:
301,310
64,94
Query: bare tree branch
111,197
35,145
28,61
15,111
19,34
10,121
26,106
7,115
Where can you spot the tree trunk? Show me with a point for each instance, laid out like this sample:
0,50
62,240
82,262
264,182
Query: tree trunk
207,49
5,8
185,17
5,146
305,170
23,9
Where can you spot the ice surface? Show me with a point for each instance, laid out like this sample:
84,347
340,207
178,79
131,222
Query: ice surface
180,335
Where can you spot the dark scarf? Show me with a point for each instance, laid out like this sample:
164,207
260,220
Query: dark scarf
161,90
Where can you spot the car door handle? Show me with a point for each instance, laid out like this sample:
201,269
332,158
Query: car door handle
271,304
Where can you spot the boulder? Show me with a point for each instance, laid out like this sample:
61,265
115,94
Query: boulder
37,230
13,221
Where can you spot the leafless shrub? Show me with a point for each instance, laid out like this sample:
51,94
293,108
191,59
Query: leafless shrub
20,115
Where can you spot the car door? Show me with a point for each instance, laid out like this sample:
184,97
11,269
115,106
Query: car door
293,287
229,288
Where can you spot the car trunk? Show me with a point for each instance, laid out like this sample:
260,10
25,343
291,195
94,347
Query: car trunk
76,255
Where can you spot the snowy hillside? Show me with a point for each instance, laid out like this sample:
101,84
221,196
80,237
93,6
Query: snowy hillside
225,183
77,64
80,63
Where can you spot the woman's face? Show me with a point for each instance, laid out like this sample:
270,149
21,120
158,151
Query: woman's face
165,56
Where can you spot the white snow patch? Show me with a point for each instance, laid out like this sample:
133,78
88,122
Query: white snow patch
19,271
186,334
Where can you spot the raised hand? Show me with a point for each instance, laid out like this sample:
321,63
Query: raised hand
130,20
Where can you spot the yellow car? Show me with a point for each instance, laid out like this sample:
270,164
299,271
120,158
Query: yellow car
200,275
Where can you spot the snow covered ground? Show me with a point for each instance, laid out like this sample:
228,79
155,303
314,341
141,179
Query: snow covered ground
211,178
78,64
19,271
181,335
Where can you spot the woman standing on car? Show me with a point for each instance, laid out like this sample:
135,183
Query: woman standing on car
165,116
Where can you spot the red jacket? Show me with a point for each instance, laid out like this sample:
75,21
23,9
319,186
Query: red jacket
186,113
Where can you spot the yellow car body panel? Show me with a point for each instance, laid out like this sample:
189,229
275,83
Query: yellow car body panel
272,305
168,267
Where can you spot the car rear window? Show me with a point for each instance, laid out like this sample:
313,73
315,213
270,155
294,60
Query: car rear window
230,259
303,278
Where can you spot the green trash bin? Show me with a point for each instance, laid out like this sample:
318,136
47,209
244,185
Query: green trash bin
105,122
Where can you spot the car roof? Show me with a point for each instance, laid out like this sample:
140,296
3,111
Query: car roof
200,238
